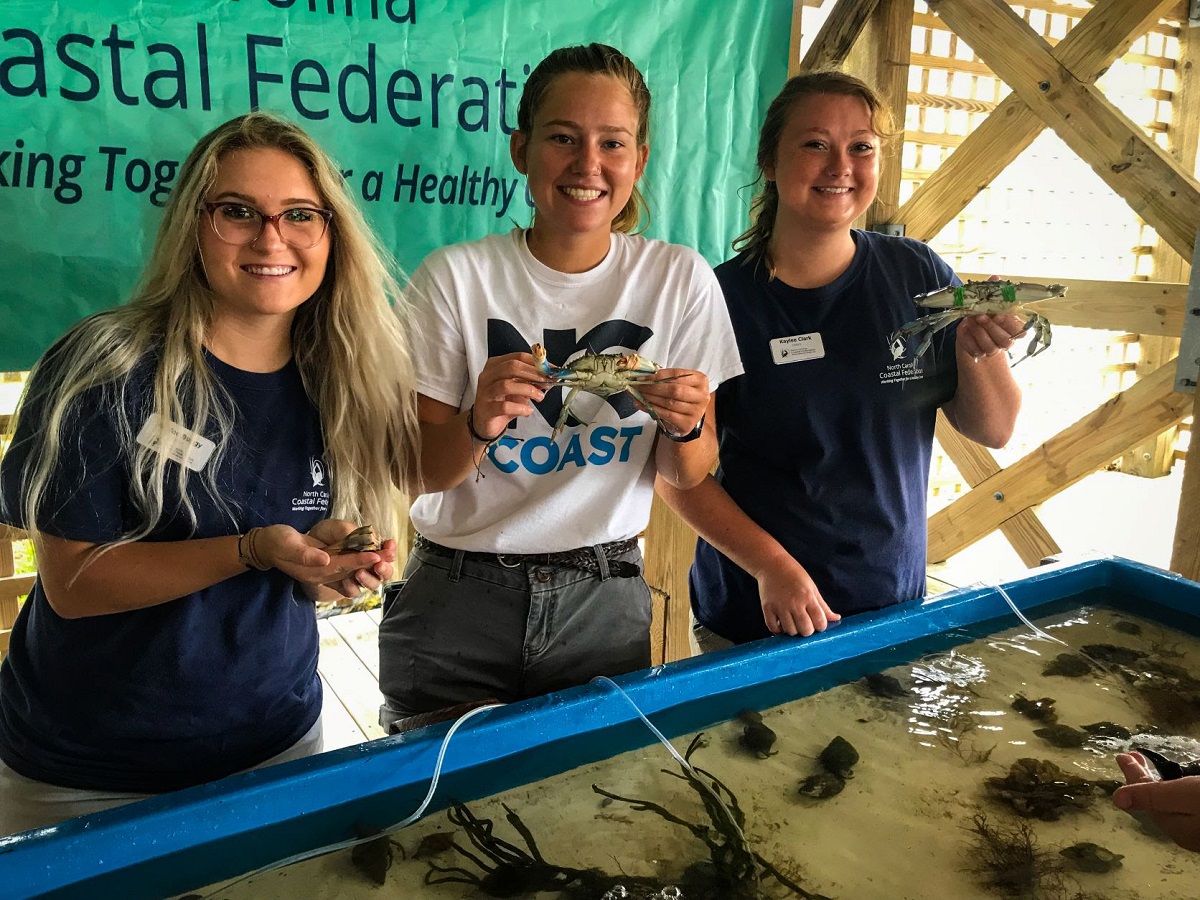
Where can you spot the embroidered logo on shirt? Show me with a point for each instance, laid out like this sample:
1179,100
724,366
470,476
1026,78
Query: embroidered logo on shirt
316,469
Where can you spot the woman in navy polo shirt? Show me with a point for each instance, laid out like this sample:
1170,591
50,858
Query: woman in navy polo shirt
818,507
186,464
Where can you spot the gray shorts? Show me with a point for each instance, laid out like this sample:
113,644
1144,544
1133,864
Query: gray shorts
460,630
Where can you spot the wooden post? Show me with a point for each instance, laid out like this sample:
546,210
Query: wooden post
1025,531
892,23
1185,555
1156,457
670,546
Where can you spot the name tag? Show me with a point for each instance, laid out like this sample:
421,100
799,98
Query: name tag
798,348
187,448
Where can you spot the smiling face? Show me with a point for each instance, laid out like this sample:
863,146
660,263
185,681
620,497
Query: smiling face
581,158
266,277
827,164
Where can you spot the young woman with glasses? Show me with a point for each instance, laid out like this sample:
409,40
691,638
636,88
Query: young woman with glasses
186,465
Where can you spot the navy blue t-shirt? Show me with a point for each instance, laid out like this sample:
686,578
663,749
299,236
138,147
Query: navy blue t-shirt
190,690
826,439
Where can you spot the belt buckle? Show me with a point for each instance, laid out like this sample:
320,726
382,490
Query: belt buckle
500,557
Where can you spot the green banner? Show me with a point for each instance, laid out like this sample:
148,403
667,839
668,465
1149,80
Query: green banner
100,101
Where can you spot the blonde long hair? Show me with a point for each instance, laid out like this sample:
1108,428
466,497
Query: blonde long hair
347,342
763,209
594,59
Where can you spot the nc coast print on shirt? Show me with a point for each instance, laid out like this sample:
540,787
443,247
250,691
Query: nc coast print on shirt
602,441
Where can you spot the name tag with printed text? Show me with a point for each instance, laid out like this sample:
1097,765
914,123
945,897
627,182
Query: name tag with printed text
187,448
797,348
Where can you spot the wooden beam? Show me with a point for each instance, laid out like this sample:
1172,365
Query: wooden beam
1101,36
1071,455
1139,307
1156,457
1153,184
892,23
1185,553
796,37
1024,531
832,44
670,548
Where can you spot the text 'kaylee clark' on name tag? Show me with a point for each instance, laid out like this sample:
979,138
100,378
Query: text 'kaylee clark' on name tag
178,443
798,348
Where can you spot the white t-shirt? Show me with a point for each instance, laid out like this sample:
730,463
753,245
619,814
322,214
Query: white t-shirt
595,483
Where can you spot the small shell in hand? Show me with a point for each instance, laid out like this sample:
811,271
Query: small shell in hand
360,540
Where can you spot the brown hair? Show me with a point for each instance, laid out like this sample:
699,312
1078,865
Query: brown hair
756,239
593,59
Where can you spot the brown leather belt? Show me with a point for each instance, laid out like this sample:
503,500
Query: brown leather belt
583,558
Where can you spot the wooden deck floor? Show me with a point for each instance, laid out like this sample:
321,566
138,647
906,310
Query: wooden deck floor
349,667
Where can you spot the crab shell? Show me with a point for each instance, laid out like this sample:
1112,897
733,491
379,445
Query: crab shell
360,540
602,374
989,296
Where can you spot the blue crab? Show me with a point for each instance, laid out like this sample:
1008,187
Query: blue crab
602,374
975,297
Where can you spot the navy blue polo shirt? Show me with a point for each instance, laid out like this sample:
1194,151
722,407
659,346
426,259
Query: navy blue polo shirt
826,439
196,688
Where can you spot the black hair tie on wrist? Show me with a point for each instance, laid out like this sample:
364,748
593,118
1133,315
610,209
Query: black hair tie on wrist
475,434
683,438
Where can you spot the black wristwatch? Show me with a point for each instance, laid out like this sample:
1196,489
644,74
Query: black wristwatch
683,438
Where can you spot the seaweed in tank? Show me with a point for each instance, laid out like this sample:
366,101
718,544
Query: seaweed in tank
1038,789
733,872
954,738
1040,710
1168,692
1009,861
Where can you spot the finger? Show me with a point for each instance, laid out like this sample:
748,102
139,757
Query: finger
1161,797
1136,768
816,615
367,579
772,621
312,558
802,623
990,336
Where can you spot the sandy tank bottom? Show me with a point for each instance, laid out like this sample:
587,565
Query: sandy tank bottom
906,824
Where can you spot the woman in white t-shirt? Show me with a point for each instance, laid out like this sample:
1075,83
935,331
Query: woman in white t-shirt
526,574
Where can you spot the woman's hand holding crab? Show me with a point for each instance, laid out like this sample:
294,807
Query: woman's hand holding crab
306,557
679,398
507,385
985,335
